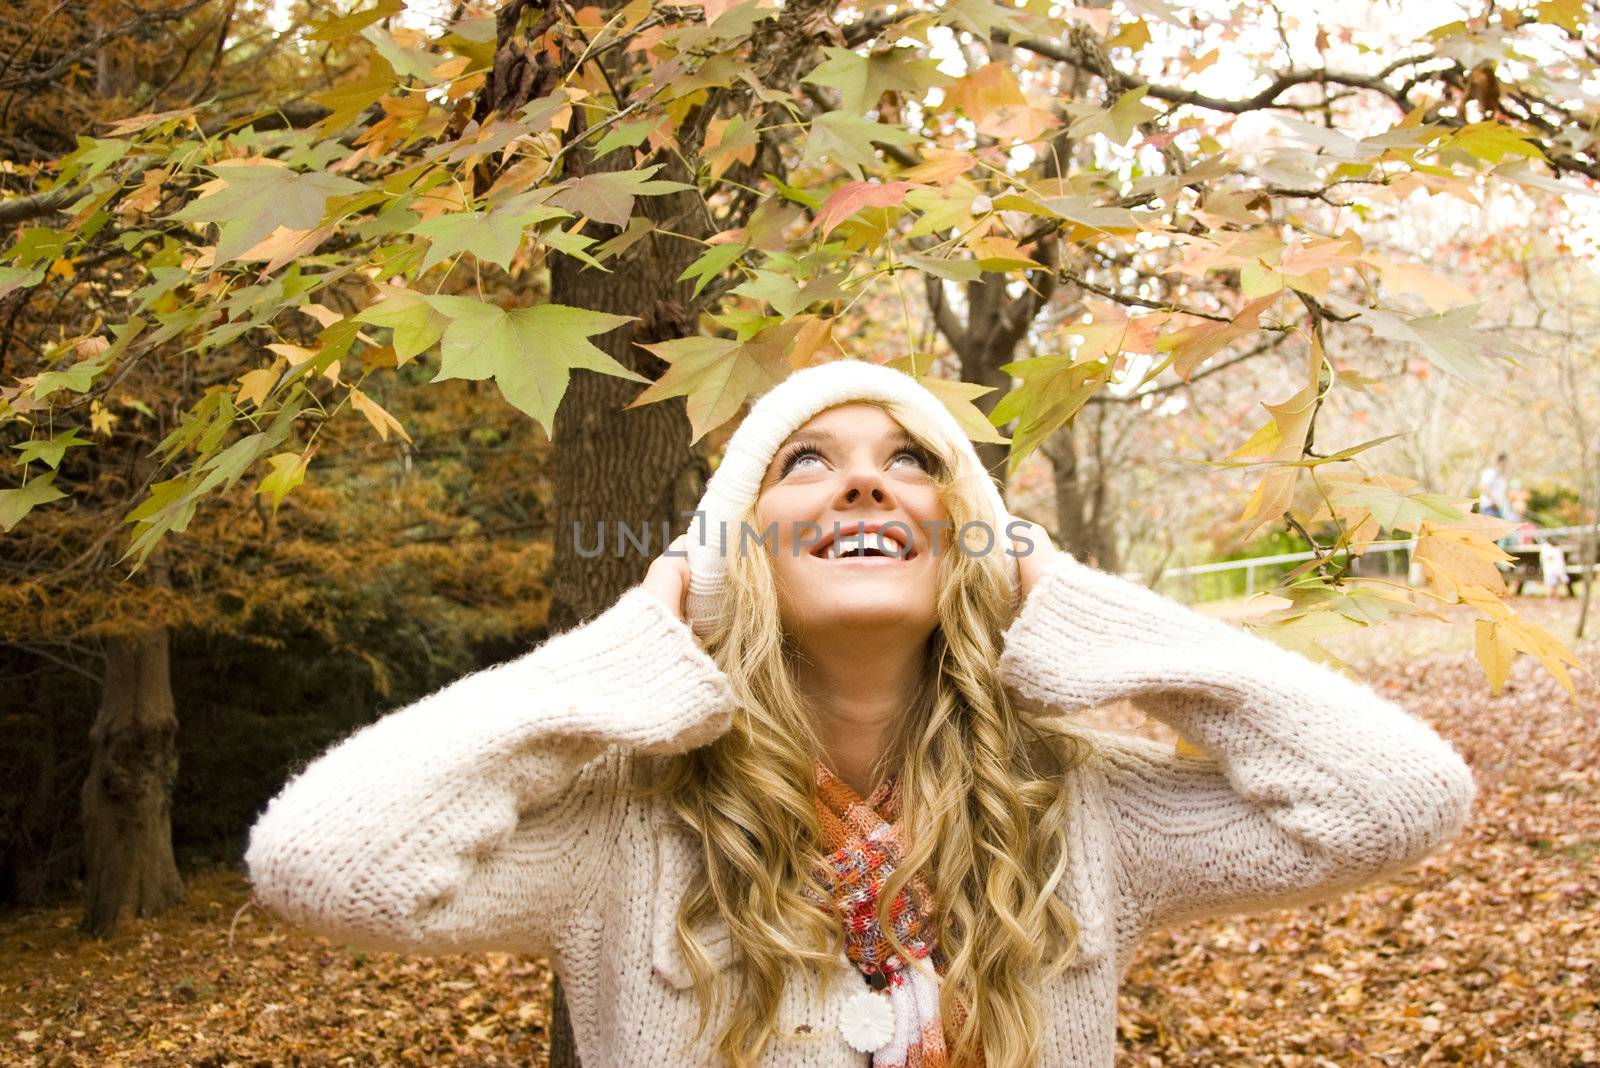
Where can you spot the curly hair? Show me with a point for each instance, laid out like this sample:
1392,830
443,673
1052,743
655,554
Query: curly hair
983,782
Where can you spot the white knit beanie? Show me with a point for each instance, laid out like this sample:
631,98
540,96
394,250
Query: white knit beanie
775,415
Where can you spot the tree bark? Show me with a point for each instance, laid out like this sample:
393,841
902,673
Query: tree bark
1084,523
127,798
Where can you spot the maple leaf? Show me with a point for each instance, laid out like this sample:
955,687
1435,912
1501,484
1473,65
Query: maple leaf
375,413
1455,558
717,375
250,199
1192,345
1499,637
333,28
984,17
49,450
16,503
958,398
1391,508
993,99
711,263
1284,440
1448,339
529,352
1051,392
1118,122
729,141
853,196
348,100
1491,142
491,236
845,139
862,79
288,470
608,196
416,323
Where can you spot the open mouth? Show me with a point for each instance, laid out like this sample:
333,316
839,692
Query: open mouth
865,545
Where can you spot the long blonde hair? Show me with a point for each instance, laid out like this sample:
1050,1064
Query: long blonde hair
983,783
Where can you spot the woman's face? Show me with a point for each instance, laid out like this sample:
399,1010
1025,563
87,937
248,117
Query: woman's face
849,467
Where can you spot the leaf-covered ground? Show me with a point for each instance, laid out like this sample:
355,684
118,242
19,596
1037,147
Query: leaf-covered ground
1488,953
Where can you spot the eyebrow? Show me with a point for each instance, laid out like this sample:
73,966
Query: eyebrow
896,437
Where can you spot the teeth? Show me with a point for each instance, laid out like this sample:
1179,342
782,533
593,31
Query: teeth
885,542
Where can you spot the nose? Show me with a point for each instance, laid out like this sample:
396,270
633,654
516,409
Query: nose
864,482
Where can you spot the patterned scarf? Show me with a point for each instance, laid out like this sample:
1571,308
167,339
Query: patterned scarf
866,844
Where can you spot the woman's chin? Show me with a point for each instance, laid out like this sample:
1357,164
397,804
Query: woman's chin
858,609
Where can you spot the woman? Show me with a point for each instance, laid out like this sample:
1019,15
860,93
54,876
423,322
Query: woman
812,796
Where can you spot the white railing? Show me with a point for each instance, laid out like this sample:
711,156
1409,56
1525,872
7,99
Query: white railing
1375,550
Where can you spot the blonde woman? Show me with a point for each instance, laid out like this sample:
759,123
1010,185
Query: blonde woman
812,794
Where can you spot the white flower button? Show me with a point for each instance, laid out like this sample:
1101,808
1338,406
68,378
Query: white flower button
867,1021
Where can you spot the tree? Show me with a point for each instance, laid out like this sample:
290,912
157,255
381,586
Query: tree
66,599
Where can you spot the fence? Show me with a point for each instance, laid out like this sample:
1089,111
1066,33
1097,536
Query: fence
1208,582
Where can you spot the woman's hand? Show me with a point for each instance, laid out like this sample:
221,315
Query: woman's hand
1032,560
668,577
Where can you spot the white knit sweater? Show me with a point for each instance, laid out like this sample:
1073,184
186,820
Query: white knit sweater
487,816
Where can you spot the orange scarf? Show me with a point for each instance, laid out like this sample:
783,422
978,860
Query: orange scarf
866,844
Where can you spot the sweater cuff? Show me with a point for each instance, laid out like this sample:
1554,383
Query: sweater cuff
634,675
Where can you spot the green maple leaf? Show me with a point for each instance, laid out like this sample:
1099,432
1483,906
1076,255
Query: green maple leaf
1492,142
1391,509
348,101
846,139
49,450
78,378
958,398
1119,121
607,196
628,134
983,17
333,28
16,503
259,198
712,262
416,323
415,63
92,156
492,237
716,375
1448,339
1051,394
19,278
529,352
861,80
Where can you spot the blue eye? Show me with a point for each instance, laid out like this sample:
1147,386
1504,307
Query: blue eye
916,454
797,453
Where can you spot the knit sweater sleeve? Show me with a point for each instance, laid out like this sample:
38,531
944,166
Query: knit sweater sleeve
449,826
1313,781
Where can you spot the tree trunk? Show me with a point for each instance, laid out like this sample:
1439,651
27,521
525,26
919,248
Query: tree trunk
1083,523
127,798
615,468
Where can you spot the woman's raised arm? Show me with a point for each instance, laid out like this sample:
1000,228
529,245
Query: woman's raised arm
1315,782
453,824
